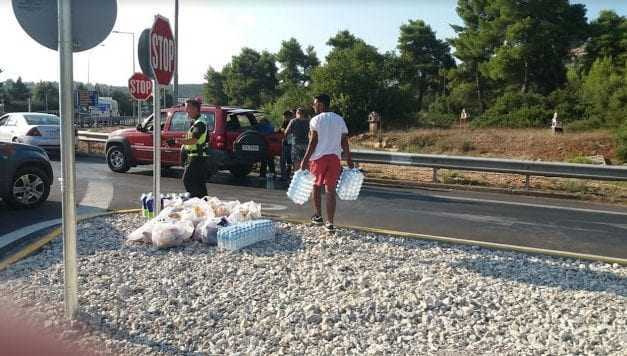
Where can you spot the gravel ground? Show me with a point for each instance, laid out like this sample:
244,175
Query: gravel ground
307,293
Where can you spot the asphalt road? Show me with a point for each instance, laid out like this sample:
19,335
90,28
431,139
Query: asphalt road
565,225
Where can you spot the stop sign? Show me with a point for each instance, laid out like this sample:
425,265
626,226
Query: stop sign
162,50
140,86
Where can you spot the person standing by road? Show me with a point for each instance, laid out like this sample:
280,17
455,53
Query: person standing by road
196,146
265,128
286,151
328,137
297,134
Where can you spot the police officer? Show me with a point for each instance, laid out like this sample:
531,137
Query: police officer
196,146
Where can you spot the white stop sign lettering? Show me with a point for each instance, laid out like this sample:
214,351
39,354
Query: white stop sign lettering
162,53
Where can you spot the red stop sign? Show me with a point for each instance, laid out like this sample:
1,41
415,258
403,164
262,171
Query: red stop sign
140,86
162,50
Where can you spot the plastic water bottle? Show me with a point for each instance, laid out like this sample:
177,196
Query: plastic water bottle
300,187
150,206
350,184
142,204
244,234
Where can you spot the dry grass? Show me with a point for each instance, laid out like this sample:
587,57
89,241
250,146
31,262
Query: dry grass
526,144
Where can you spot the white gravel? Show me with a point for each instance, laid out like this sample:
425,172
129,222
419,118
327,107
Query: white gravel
306,293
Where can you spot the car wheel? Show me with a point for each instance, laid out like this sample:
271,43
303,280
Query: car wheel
240,171
29,188
117,160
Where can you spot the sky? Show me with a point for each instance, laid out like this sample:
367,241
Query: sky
212,31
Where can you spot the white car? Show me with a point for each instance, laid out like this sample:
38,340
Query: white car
31,128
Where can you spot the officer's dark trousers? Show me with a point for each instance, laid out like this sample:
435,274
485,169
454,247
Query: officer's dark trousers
195,176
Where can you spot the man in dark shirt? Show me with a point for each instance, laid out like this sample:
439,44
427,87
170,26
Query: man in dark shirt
196,146
286,159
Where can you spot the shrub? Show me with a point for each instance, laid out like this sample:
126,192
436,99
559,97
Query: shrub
621,138
516,110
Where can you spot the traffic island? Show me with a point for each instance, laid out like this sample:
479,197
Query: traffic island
311,293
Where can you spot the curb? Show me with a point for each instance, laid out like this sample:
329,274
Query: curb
57,231
51,233
456,241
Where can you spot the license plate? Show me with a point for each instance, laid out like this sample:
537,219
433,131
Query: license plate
250,148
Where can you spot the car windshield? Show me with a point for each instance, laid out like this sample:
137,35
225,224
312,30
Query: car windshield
41,119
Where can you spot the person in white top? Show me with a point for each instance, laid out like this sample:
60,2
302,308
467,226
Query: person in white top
328,137
556,124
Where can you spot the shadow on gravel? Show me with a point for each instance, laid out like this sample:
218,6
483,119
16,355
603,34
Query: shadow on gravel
542,273
99,322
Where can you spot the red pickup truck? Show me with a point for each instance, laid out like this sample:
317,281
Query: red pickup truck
234,142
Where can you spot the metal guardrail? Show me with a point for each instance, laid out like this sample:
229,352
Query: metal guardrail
526,168
477,164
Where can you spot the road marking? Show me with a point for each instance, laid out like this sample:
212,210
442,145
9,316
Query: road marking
272,207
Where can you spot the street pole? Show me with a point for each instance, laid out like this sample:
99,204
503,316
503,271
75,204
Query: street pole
176,51
156,142
133,60
66,109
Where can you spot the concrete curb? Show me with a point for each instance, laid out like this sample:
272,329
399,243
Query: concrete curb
456,241
56,232
49,234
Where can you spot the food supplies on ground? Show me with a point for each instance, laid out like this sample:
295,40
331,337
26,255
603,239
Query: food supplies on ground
205,216
171,233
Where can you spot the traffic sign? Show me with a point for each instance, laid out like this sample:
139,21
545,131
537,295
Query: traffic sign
140,86
92,21
162,50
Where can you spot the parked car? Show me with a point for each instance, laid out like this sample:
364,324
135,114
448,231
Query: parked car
25,175
234,142
31,128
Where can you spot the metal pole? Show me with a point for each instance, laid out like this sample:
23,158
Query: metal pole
66,109
176,51
133,59
156,142
29,106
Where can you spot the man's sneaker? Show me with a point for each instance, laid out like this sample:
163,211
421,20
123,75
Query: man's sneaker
316,220
329,227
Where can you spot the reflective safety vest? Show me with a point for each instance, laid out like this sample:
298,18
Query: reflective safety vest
201,147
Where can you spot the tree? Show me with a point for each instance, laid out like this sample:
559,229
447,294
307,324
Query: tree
353,78
293,61
608,38
311,62
422,56
125,102
19,91
250,78
213,90
536,38
604,92
46,95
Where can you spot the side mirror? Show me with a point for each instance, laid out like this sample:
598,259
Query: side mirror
162,126
139,127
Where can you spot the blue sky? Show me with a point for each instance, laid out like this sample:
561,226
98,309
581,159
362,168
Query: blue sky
212,31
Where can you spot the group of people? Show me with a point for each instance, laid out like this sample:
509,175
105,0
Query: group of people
315,144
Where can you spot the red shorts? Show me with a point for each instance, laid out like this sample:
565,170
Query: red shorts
327,170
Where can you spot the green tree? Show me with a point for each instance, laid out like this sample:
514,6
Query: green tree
311,62
213,90
125,102
604,92
251,78
353,78
608,38
46,96
19,91
343,40
293,62
537,36
422,57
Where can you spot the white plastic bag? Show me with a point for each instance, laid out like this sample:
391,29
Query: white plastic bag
143,233
207,231
171,233
250,210
197,210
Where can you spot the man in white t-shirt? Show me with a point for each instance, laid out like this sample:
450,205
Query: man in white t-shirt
328,137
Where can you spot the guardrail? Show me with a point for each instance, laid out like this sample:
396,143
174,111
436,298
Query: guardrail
477,164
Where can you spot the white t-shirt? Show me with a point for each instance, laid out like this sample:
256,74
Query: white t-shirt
330,128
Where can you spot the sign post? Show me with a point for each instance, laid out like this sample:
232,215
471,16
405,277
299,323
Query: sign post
162,47
67,26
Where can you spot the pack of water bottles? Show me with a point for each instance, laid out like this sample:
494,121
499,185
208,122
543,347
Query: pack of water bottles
301,186
235,237
350,183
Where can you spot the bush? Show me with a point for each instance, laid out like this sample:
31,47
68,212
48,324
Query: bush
436,120
583,125
516,110
291,99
